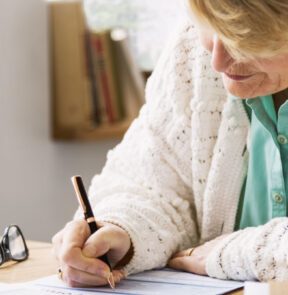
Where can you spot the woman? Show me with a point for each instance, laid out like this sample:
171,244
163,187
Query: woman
205,163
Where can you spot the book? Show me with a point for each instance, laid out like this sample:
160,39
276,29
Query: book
106,71
71,83
132,79
115,72
100,79
95,81
95,93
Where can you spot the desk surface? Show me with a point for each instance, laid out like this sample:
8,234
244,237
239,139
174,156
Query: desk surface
39,264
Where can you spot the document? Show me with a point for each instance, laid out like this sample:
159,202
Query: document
156,282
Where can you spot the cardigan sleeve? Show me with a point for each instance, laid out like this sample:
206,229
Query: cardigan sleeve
253,253
145,185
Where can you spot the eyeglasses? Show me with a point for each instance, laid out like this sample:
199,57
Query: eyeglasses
13,245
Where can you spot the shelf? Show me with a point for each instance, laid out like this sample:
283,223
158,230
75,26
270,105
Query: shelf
109,131
91,75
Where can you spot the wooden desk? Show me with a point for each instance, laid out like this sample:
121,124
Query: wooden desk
39,264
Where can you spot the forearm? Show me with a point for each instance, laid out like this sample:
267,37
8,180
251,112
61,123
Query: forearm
254,253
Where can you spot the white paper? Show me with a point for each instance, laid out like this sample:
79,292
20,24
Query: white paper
252,288
13,289
157,282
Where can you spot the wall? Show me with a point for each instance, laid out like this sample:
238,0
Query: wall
35,188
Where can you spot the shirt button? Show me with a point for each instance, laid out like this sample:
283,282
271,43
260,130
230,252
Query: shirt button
282,139
278,198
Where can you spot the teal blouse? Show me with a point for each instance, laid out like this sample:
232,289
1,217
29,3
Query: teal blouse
265,190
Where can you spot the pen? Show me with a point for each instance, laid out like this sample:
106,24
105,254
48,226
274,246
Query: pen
89,217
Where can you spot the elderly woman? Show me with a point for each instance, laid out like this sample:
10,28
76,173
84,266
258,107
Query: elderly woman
205,164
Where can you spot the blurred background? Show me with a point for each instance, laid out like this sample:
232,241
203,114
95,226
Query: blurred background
35,188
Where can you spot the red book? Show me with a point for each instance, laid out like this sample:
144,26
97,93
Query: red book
102,75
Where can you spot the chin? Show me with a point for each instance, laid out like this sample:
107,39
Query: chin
239,94
239,89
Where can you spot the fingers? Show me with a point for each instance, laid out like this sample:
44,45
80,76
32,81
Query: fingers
189,264
190,261
195,262
182,253
67,249
75,259
108,238
98,244
71,253
76,252
74,234
75,278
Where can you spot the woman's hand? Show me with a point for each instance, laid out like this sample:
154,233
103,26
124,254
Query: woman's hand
76,252
196,263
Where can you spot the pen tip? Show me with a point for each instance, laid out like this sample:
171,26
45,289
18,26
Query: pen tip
111,281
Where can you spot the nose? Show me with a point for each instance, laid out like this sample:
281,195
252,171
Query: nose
221,58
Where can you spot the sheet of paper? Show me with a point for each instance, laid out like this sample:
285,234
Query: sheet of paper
155,282
21,291
252,288
14,289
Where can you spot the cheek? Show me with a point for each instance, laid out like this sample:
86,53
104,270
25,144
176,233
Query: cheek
276,76
275,70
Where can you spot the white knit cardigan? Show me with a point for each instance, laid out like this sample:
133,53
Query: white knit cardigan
175,179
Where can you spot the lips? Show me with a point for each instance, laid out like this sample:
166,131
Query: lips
238,77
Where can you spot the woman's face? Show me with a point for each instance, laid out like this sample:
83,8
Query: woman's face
247,79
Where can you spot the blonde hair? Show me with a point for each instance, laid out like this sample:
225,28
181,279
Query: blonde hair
247,28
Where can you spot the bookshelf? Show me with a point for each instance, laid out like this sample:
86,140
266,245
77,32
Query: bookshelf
97,89
98,133
108,131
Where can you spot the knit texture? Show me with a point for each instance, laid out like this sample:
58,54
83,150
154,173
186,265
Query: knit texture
175,179
253,253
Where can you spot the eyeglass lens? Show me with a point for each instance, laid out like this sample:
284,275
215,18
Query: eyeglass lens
16,244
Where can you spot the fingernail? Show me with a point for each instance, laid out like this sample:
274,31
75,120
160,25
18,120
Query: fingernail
111,281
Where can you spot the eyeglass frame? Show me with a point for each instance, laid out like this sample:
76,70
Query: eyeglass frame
5,247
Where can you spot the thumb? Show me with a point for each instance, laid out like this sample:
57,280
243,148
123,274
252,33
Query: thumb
97,244
109,238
